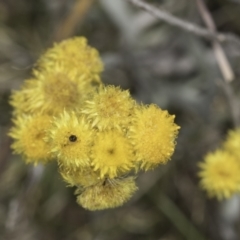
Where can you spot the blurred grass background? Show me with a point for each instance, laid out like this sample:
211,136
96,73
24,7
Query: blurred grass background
159,64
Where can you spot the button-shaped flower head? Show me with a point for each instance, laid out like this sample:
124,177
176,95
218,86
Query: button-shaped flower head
220,174
74,54
153,132
109,108
28,133
51,92
71,139
64,77
107,194
112,154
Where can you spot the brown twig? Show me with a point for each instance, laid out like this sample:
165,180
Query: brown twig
223,63
75,17
221,58
185,25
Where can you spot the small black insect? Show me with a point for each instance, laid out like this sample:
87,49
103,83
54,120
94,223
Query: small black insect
72,138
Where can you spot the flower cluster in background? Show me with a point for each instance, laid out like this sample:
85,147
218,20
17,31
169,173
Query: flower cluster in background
220,171
99,136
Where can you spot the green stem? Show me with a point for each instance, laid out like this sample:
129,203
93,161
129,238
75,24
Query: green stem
172,212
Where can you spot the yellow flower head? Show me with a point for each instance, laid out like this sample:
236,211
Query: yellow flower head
108,194
83,177
71,139
153,133
51,93
220,174
232,143
109,108
74,53
111,154
59,89
28,133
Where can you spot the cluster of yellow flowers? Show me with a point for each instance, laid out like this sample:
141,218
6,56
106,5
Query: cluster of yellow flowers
220,171
99,136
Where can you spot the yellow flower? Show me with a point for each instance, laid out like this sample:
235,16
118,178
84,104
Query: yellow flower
232,143
111,154
153,133
59,89
220,174
73,53
83,177
51,92
65,76
110,108
71,139
28,133
107,194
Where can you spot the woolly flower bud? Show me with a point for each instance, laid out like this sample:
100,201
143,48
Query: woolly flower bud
75,54
111,154
71,139
28,133
109,108
83,177
153,133
220,174
107,194
232,143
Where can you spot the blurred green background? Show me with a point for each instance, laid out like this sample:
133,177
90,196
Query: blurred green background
160,64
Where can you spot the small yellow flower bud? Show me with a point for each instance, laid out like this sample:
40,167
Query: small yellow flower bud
107,194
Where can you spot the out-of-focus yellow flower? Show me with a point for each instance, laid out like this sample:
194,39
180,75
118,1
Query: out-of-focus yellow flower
107,194
81,177
232,143
73,54
153,133
110,108
28,134
51,92
112,154
220,174
59,89
65,76
71,139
